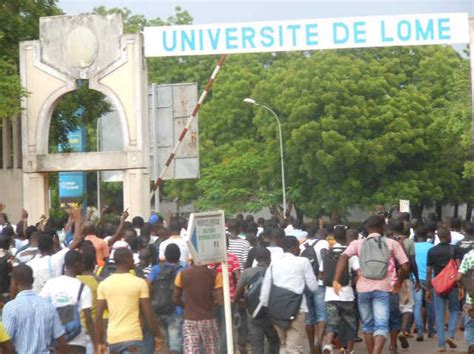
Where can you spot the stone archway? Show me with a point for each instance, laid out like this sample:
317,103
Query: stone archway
89,47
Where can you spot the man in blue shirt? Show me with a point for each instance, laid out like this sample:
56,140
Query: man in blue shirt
171,320
421,253
31,321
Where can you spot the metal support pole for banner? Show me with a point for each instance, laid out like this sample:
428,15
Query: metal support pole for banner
196,109
227,310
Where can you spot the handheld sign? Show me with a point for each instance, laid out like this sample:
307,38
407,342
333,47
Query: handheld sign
206,237
207,244
404,206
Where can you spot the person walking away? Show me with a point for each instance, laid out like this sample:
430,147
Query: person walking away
198,288
340,308
422,246
144,266
316,317
289,275
29,251
466,275
30,320
374,285
124,295
101,247
161,280
175,230
438,258
69,295
259,324
454,226
90,279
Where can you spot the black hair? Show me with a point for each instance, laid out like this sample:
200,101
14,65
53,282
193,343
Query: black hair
289,242
262,254
134,242
277,234
340,235
469,228
172,253
249,218
375,222
29,231
20,229
122,255
421,233
138,222
89,260
23,275
252,227
145,231
145,254
45,242
175,226
233,226
72,258
8,231
443,233
454,223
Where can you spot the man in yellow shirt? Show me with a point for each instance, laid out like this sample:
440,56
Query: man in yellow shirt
124,294
5,342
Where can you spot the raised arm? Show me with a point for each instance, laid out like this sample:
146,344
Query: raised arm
118,233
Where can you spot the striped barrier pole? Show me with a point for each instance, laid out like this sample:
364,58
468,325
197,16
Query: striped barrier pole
196,109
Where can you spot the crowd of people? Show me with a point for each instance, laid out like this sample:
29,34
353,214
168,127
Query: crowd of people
97,286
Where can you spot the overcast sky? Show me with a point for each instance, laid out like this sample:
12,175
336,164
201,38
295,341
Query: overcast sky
265,10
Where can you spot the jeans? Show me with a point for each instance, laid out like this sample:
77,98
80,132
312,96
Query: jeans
374,310
440,308
395,318
316,306
258,330
172,329
418,312
468,330
133,346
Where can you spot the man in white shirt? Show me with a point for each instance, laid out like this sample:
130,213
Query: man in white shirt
340,308
67,290
175,229
47,265
316,317
292,273
454,225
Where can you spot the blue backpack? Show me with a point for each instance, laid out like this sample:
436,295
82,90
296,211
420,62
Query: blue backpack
71,318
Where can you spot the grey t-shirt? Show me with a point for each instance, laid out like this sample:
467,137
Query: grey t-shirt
247,275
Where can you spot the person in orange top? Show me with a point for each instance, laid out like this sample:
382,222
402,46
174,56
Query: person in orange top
101,248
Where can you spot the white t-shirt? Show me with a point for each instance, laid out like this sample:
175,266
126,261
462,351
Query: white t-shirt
63,291
47,267
346,293
275,253
455,238
180,242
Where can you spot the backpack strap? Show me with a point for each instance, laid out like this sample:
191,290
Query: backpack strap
80,292
451,252
99,270
315,242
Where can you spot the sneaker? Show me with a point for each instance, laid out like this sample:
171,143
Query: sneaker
450,342
441,349
357,339
420,338
327,349
431,335
403,341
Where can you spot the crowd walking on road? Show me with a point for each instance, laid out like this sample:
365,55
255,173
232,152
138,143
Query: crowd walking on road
87,285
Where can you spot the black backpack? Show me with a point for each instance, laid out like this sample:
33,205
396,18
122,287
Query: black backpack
310,253
330,259
252,297
163,289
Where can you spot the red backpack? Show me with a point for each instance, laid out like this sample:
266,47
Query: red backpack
445,281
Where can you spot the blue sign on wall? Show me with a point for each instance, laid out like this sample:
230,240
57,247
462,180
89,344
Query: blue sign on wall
72,185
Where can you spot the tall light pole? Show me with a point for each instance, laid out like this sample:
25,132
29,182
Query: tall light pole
283,186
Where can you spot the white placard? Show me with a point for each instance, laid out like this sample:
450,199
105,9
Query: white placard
276,36
206,237
404,206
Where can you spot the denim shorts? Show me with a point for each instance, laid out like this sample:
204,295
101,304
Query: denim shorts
395,321
316,306
172,328
374,310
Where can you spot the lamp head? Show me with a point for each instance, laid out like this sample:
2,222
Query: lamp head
249,100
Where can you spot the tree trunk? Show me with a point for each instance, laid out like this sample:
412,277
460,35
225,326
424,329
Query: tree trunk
456,210
469,211
417,211
439,211
299,215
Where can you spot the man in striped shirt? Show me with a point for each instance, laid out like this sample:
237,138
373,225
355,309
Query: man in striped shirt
237,245
31,321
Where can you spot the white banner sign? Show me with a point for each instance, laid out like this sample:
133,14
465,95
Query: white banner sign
353,32
404,206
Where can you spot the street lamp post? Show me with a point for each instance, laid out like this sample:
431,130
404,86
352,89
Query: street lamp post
283,187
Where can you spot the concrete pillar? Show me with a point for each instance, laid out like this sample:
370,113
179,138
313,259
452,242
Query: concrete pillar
136,190
36,195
